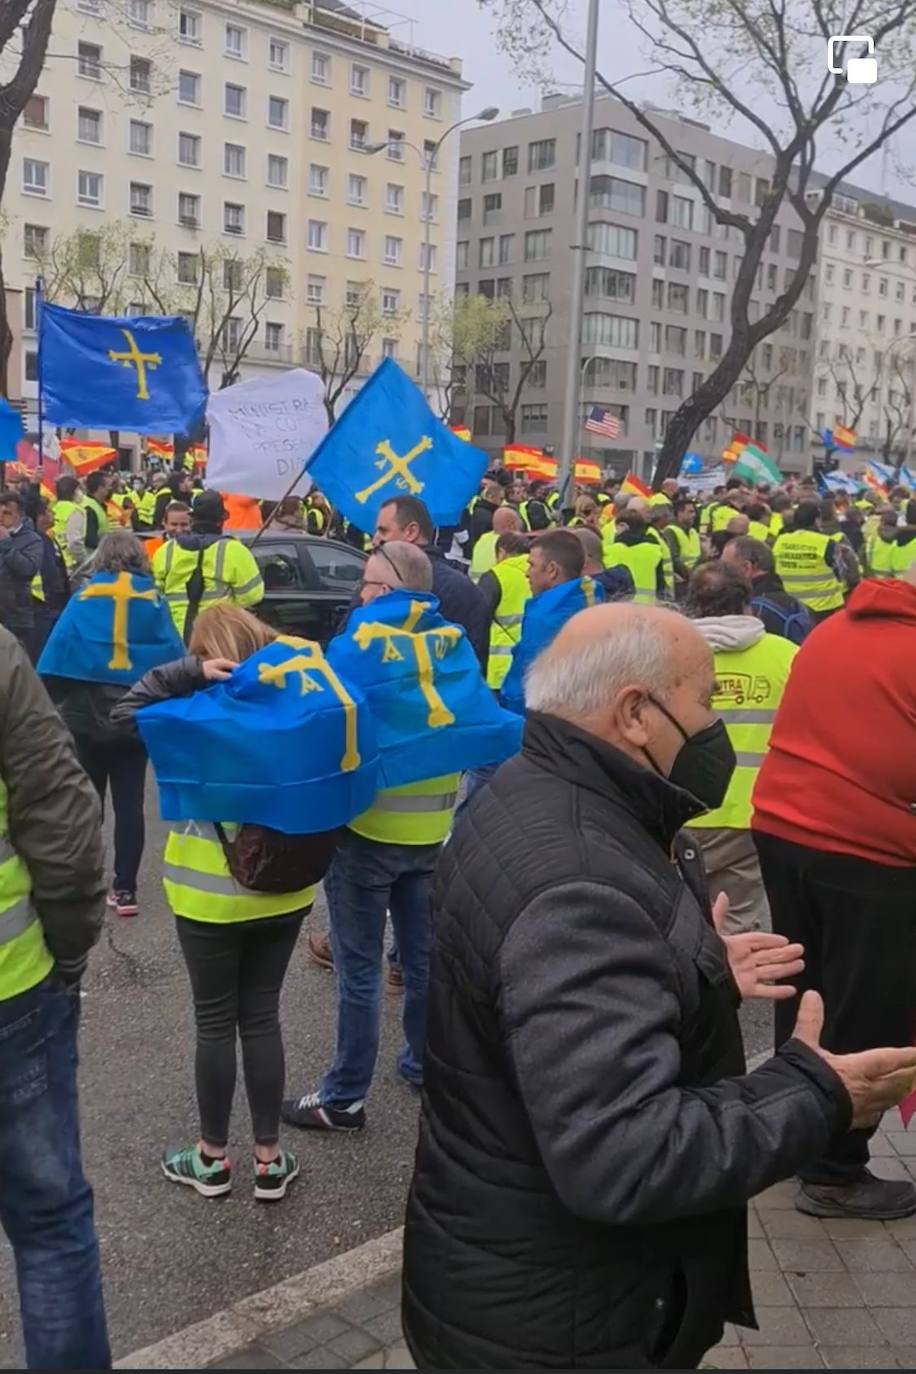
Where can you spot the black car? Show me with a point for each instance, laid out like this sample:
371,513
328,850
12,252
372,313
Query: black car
309,582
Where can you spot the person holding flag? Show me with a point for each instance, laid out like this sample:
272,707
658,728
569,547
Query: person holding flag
113,630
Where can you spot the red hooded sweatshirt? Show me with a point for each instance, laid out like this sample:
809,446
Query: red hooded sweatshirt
840,773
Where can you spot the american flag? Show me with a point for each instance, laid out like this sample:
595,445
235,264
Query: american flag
602,422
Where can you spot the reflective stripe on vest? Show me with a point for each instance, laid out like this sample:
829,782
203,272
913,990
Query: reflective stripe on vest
24,956
800,562
420,813
506,629
688,546
642,561
749,687
667,556
199,886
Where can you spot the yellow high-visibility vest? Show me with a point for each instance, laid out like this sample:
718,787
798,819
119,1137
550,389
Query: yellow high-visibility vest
758,530
199,886
506,629
146,508
642,561
667,556
749,688
229,571
688,546
805,574
62,512
904,557
484,556
24,957
420,813
882,557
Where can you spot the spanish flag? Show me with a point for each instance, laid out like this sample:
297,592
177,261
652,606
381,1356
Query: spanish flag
587,471
84,457
518,457
160,448
462,431
635,486
843,437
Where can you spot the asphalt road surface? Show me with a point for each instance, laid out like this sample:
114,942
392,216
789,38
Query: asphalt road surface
171,1257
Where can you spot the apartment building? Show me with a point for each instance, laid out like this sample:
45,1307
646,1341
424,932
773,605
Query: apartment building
296,133
658,281
865,363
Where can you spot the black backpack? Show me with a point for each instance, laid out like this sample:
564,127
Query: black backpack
266,860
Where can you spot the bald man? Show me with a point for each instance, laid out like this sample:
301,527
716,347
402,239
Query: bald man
506,520
589,1135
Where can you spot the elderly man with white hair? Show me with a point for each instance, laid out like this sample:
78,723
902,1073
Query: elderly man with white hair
590,1135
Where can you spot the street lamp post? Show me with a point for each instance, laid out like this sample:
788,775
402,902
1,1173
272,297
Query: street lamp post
486,115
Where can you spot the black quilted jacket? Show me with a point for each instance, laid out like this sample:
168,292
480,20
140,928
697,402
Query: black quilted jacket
589,1135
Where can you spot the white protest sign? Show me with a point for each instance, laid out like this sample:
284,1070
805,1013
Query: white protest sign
263,431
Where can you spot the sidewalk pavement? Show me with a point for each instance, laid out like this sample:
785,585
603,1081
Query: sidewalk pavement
829,1294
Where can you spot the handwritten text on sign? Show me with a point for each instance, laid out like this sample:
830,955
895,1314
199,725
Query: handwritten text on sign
262,433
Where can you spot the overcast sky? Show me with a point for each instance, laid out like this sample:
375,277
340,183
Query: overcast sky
459,28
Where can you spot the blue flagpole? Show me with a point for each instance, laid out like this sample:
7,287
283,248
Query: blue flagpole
39,289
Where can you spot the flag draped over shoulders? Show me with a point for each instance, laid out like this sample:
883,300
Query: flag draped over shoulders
544,617
115,629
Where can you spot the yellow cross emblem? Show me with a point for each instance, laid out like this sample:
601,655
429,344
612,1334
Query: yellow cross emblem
121,593
398,469
137,360
310,659
442,639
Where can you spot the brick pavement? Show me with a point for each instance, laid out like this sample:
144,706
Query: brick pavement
829,1294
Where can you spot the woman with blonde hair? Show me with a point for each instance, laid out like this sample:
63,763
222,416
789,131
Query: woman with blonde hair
236,942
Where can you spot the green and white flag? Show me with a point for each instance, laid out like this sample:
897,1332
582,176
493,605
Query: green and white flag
754,465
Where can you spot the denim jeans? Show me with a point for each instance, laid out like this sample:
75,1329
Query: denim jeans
366,880
45,1201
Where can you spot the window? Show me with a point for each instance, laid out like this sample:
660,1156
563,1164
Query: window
660,250
359,132
88,125
139,13
427,254
394,199
318,180
744,187
464,171
432,103
277,171
489,166
677,297
675,339
188,88
487,252
626,151
141,75
320,126
429,206
275,283
31,367
715,345
140,136
276,226
141,198
395,145
278,54
35,112
391,300
356,189
461,255
188,26
658,294
794,243
188,150
359,80
89,188
232,334
542,154
189,210
703,302
661,207
537,244
672,382
882,286
356,243
699,343
233,217
391,254
315,290
609,282
464,209
900,291
534,419
321,69
390,348
233,160
535,288
682,212
718,306
35,240
510,162
504,288
506,245
720,265
278,114
492,208
188,269
612,240
771,276
725,182
89,61
610,330
680,255
397,92
235,101
236,41
273,337
539,200
612,193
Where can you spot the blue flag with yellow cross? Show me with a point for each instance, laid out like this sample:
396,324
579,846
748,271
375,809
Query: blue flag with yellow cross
433,712
134,372
284,742
542,620
113,630
389,443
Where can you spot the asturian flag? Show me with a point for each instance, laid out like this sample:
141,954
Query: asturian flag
115,629
134,372
283,743
543,619
389,443
432,710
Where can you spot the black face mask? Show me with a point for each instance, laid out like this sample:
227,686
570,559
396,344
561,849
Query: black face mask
705,762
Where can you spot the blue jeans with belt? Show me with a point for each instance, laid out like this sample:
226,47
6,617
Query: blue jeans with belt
45,1201
367,880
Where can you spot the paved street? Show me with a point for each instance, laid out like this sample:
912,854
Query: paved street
170,1257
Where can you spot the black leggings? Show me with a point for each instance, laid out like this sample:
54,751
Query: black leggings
121,766
237,970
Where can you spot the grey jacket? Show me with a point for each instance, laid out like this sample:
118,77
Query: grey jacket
54,813
21,559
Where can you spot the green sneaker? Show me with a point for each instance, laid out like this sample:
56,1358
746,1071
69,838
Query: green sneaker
186,1166
272,1180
